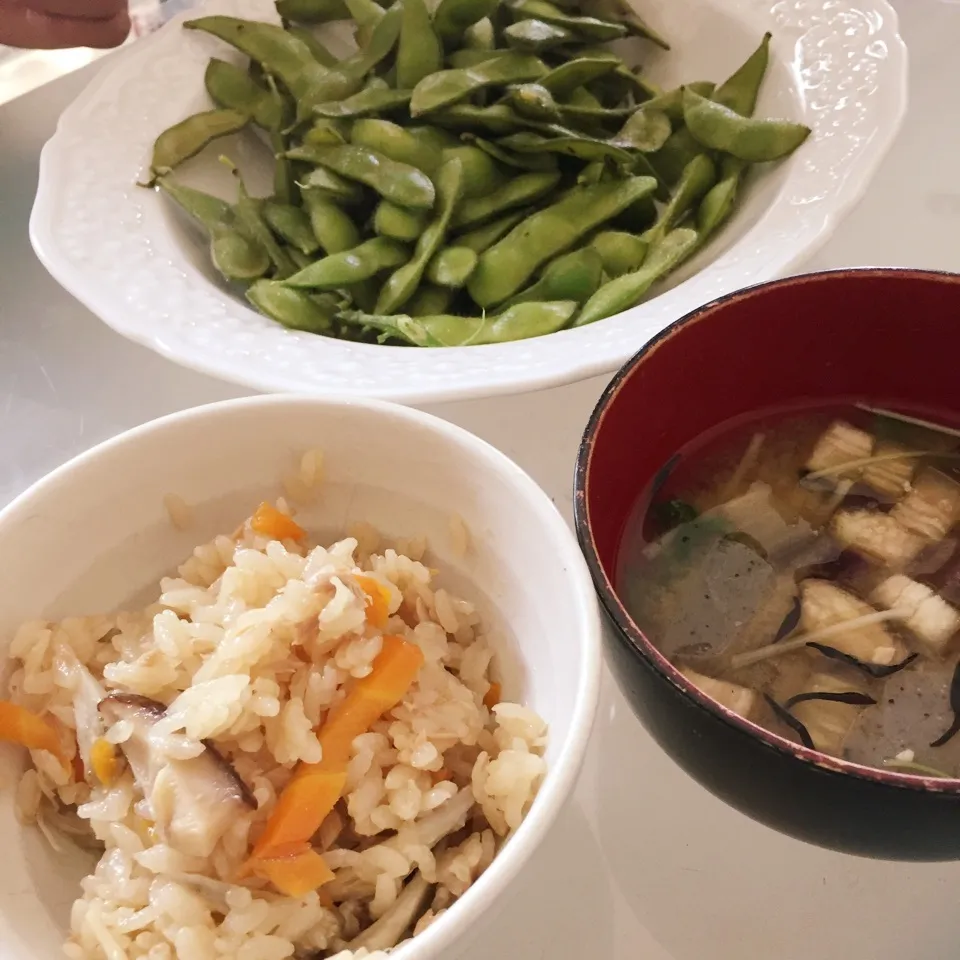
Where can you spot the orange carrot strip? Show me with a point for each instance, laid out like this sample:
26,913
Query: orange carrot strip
315,787
19,725
295,875
378,607
270,522
492,697
104,760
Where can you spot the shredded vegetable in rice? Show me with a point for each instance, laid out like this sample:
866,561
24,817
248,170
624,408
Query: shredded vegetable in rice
297,749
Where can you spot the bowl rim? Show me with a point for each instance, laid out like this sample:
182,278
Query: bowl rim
627,631
211,344
564,771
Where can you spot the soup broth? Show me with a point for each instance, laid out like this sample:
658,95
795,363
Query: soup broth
802,570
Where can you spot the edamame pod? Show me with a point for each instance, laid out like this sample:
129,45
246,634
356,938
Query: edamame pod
188,137
397,182
293,308
628,290
350,266
517,323
452,266
371,100
452,18
325,182
448,87
534,36
402,284
480,238
758,141
518,192
619,252
400,223
334,230
698,177
572,276
232,88
420,52
412,147
506,266
312,11
740,91
481,175
236,257
291,224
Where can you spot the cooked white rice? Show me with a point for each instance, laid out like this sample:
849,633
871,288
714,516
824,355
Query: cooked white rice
247,648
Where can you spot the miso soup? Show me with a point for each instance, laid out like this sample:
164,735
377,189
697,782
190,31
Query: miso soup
802,570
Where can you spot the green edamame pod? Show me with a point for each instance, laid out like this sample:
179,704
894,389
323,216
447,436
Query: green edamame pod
413,147
480,35
671,102
698,177
420,52
397,182
209,211
519,161
452,18
646,130
481,175
506,266
517,323
619,252
717,205
452,267
327,132
371,100
435,137
624,11
572,276
535,35
188,137
720,128
740,91
466,58
429,300
276,50
232,88
592,28
562,81
334,230
366,15
320,53
448,87
402,284
498,119
627,291
299,258
389,220
673,157
291,224
249,214
236,257
534,101
320,180
518,192
293,308
312,11
572,145
480,238
350,266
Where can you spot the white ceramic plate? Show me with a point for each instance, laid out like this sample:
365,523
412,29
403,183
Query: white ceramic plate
841,67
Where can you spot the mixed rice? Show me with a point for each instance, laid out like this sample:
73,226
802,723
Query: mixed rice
173,731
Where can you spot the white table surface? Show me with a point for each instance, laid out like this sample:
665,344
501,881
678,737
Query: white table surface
644,865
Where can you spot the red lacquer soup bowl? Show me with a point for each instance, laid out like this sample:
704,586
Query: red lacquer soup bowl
890,338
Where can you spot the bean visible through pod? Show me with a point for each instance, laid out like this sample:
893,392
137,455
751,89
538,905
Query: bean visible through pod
518,192
516,323
572,276
480,238
591,27
293,308
292,224
397,182
420,52
389,220
447,87
452,266
720,128
506,266
187,138
429,300
399,144
535,35
350,266
232,88
481,175
321,181
334,230
619,252
627,291
402,284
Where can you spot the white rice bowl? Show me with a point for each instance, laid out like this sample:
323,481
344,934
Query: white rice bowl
481,575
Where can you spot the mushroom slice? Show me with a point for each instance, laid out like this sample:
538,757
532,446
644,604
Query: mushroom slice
891,476
932,506
399,917
839,445
824,605
877,537
932,620
741,700
194,801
